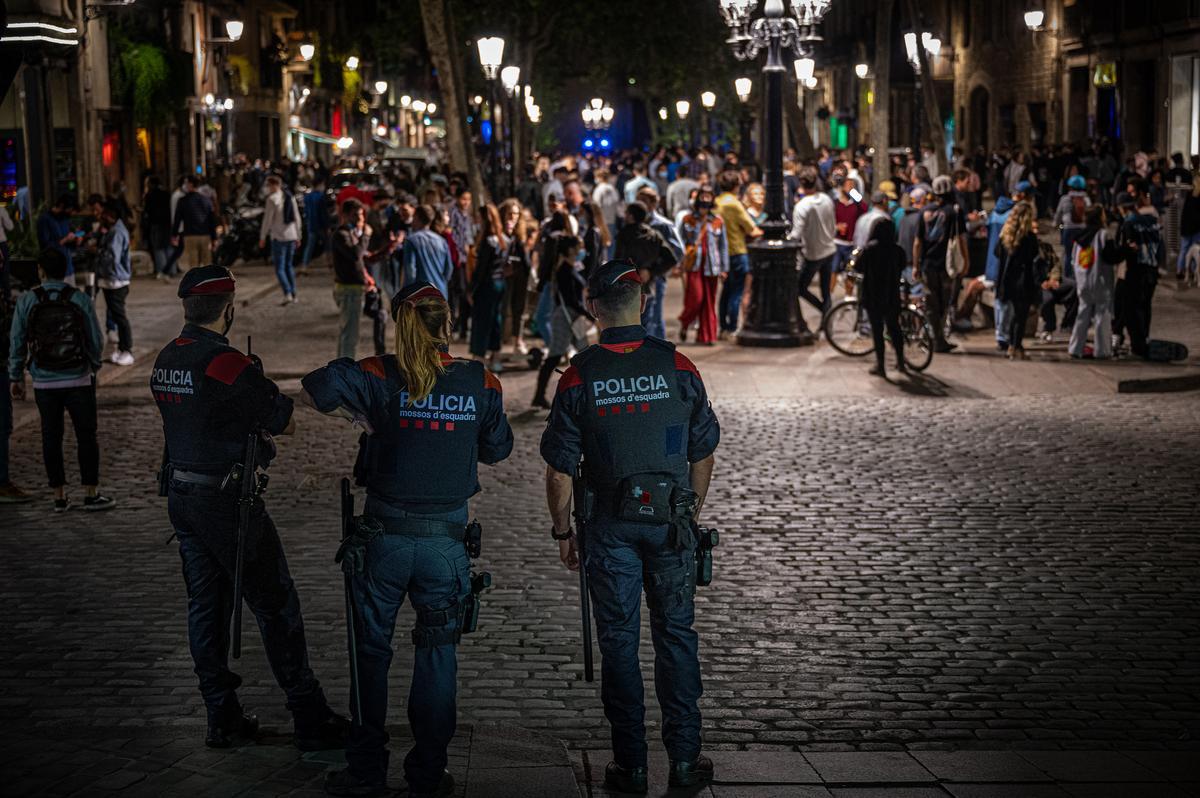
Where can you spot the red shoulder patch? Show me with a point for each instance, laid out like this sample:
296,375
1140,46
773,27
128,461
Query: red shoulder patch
227,367
569,379
683,364
184,341
490,380
447,358
373,366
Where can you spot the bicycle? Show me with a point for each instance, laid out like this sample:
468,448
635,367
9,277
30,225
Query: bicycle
848,329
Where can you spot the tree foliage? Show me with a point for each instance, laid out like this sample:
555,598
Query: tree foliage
145,76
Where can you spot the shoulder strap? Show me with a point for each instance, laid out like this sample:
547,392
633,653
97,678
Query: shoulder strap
40,293
658,343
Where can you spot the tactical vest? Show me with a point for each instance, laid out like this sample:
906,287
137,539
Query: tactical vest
635,420
427,452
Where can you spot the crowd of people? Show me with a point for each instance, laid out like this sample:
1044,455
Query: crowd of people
515,270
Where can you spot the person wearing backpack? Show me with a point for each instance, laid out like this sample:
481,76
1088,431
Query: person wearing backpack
55,334
1093,258
1069,215
281,223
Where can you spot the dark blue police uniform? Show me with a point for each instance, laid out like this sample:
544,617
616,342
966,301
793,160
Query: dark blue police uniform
419,467
632,406
211,397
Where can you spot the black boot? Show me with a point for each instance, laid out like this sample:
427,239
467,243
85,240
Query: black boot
686,774
325,731
229,727
343,782
444,788
632,780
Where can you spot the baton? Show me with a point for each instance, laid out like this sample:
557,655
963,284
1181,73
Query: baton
351,641
578,495
245,503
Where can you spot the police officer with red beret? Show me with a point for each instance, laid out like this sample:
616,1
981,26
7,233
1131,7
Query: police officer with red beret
429,420
636,412
211,397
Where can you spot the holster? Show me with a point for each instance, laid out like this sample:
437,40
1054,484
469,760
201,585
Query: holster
470,617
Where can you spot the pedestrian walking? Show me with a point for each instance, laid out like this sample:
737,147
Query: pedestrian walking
317,224
281,224
212,398
569,319
426,255
113,275
54,332
419,469
814,225
156,226
705,263
1020,276
487,289
350,276
881,264
667,438
194,226
739,229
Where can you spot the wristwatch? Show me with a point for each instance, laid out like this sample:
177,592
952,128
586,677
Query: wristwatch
562,536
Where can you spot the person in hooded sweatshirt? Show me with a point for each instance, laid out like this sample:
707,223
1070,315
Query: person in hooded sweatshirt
881,263
1071,212
1094,258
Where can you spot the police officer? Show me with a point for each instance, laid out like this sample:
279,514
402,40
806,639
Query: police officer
211,398
637,413
428,419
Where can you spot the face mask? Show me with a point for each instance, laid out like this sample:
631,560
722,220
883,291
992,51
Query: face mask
704,206
228,319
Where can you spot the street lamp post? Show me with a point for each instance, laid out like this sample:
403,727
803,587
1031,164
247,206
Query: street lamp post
491,55
743,87
774,316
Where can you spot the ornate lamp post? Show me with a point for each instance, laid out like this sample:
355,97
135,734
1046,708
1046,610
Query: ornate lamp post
743,87
491,55
774,315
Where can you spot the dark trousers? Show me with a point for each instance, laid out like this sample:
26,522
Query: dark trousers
938,285
889,320
6,424
730,303
434,574
205,521
80,404
824,268
1138,306
1017,323
1064,295
487,310
114,303
544,373
622,560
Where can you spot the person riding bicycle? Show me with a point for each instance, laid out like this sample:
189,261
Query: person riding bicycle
881,263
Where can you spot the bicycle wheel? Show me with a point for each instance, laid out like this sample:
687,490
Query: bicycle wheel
918,339
846,327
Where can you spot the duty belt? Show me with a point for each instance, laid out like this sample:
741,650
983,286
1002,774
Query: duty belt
196,478
423,528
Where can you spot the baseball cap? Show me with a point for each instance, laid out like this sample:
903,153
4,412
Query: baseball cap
414,292
942,185
1077,183
879,197
918,193
1024,187
889,188
206,281
611,273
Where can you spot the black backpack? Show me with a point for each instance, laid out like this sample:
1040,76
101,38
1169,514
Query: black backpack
57,332
289,207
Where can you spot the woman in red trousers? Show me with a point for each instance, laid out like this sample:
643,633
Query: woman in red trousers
705,263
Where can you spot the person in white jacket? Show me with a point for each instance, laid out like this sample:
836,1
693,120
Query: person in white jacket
1094,259
281,223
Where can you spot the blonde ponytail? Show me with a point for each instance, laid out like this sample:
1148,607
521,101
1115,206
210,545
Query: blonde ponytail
421,328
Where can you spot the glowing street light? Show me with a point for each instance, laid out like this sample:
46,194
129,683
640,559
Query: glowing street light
491,53
345,143
381,87
431,108
228,104
708,99
209,99
510,78
352,63
405,101
419,106
862,70
307,51
662,114
682,107
804,68
1034,19
743,87
234,29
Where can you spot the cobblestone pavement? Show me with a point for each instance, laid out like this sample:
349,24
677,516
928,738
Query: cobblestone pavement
895,572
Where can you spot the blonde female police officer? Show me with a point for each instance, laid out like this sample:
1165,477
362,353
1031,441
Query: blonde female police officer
636,411
428,420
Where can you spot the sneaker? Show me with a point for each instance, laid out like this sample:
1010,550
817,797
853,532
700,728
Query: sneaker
122,358
62,505
11,494
877,371
687,774
98,502
1045,337
495,367
343,782
632,780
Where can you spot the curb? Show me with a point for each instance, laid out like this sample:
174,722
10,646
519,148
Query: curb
1182,382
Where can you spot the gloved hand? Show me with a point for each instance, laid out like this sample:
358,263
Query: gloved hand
352,554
